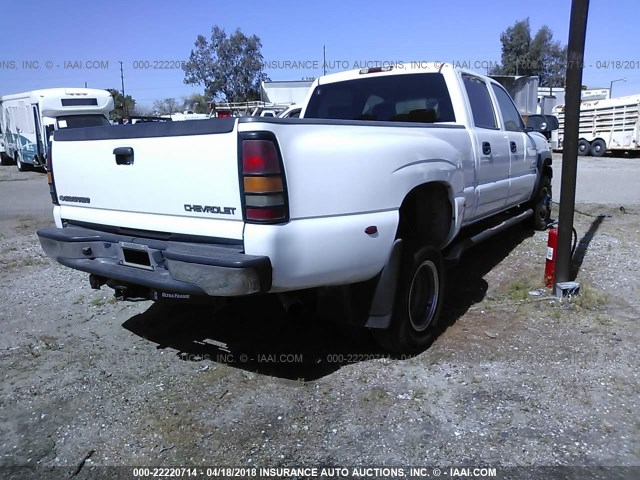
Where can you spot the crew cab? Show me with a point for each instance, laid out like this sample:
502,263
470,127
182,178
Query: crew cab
358,201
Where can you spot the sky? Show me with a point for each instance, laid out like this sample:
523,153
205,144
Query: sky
72,43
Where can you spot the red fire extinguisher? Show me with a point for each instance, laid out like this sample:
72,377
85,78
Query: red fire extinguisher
550,267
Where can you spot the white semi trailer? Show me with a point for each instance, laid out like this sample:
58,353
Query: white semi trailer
605,125
29,118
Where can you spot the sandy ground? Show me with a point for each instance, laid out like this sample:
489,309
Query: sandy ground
516,378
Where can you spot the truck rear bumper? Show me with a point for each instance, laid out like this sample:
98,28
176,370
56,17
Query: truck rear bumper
167,266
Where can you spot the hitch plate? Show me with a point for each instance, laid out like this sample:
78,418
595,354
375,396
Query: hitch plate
134,255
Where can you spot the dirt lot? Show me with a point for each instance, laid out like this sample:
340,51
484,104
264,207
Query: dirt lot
516,378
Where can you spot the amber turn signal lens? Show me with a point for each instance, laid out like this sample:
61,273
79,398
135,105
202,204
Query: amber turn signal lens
262,184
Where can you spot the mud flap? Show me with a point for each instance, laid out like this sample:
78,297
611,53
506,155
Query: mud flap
365,304
385,293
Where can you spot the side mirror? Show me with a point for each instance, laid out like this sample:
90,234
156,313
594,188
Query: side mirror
552,122
542,123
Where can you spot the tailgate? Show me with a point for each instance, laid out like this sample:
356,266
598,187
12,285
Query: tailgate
177,177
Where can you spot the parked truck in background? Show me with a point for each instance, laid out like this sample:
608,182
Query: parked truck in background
242,109
605,125
292,111
358,202
185,115
29,119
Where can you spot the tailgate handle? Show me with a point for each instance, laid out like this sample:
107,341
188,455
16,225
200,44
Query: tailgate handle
124,155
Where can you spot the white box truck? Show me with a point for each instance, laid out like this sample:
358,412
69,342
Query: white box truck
605,125
29,119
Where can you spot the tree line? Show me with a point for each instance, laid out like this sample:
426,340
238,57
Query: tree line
539,55
230,68
127,106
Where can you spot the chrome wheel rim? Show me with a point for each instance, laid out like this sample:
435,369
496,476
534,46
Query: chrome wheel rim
423,295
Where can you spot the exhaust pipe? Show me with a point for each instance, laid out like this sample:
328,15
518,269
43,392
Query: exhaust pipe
131,293
96,282
121,293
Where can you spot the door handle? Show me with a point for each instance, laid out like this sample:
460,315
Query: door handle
124,155
513,146
486,148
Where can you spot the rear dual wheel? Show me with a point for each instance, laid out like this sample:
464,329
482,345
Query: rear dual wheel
418,300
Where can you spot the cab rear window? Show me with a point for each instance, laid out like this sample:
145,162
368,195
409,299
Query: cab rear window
421,97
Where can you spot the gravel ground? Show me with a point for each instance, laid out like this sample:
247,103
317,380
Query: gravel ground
516,378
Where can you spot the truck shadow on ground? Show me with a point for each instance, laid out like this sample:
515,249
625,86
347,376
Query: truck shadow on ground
466,285
256,334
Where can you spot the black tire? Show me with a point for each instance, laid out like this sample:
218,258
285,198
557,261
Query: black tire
541,204
418,301
22,167
584,148
598,147
5,159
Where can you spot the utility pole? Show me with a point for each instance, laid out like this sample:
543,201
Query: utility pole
577,34
611,85
124,99
324,60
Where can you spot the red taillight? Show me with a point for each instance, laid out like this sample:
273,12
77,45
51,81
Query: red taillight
259,157
266,214
263,184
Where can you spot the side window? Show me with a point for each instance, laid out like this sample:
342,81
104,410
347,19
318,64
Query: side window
512,120
481,106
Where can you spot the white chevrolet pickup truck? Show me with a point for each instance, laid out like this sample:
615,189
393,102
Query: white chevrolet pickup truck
358,201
